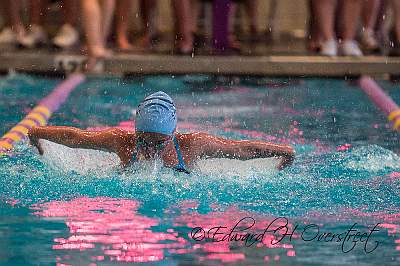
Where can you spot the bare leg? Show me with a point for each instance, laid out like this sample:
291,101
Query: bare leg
233,41
107,12
13,17
314,36
348,18
396,11
147,9
195,10
350,15
38,11
184,24
324,17
70,10
251,9
93,25
369,13
122,23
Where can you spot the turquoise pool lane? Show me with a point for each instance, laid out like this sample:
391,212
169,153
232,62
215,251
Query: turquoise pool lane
347,171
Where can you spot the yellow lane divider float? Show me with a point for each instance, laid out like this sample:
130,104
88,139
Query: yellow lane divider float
41,113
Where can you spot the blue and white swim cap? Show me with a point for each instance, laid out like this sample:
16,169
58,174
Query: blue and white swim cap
157,114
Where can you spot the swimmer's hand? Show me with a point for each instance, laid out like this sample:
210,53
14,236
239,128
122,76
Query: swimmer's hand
34,140
287,159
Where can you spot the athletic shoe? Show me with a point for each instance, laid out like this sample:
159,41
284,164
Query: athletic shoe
35,37
350,48
368,41
66,37
329,48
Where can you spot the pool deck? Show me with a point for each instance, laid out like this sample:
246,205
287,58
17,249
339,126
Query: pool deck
266,62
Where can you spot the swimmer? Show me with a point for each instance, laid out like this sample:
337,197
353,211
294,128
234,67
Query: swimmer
155,136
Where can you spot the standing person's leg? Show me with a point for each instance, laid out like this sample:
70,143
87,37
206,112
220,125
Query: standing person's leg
324,11
313,37
37,12
147,13
396,12
369,14
122,13
37,35
195,11
14,28
13,11
70,11
91,19
68,35
395,51
325,18
92,23
350,15
107,12
251,10
233,41
184,26
370,9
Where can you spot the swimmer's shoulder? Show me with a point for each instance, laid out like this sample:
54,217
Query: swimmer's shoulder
191,145
123,143
123,137
192,140
118,132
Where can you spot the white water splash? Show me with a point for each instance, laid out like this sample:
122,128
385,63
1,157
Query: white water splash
232,167
78,160
372,158
84,161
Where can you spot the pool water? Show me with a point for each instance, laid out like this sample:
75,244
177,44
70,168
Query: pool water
346,173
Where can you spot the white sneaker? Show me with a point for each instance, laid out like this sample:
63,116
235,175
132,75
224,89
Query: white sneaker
368,40
66,37
8,36
350,48
35,37
329,48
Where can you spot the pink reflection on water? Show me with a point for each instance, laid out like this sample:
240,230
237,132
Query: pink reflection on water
113,225
225,250
12,202
230,257
125,125
343,147
390,221
112,230
394,176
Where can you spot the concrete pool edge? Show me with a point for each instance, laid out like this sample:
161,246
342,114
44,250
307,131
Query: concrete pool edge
276,65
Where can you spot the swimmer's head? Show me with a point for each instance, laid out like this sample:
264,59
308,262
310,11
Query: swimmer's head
156,114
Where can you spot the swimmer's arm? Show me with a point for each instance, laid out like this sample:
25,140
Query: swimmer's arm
111,140
216,147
